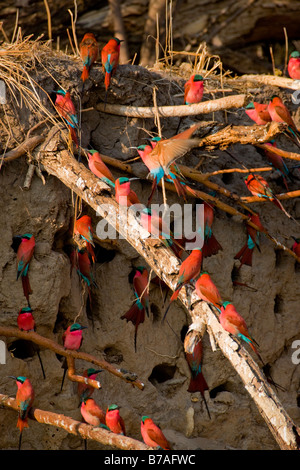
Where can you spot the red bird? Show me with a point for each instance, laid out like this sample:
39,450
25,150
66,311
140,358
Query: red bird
211,245
189,269
258,186
114,420
207,290
24,400
245,253
193,355
85,391
234,323
294,65
136,314
153,435
25,319
83,228
125,196
296,246
91,412
24,255
276,161
258,112
65,107
279,113
89,51
98,167
110,60
193,89
72,339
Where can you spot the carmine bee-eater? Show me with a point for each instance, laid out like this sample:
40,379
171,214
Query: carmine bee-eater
83,228
294,65
110,60
25,245
26,322
72,339
152,434
258,112
98,167
65,107
165,152
258,186
25,319
89,51
276,161
207,290
193,89
189,270
136,313
280,113
125,196
194,354
151,221
85,391
253,240
296,246
235,324
114,420
211,245
24,399
85,268
91,412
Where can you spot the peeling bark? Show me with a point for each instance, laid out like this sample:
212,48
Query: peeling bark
80,180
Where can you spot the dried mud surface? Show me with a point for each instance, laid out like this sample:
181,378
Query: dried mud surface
270,308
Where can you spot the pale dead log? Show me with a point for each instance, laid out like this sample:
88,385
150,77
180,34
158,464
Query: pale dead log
77,428
271,80
130,377
220,104
80,180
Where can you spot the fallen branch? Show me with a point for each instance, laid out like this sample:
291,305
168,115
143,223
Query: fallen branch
281,197
58,349
26,146
271,80
80,180
220,104
281,153
77,428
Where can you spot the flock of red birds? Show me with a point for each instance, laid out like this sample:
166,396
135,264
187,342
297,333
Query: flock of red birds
83,257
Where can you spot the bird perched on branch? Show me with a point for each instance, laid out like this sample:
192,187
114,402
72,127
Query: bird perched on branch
235,324
280,113
253,240
193,89
211,245
258,186
98,167
125,196
24,246
207,290
83,228
110,60
85,391
189,270
24,399
89,51
65,107
72,339
153,435
276,161
91,412
294,65
258,112
114,420
136,313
